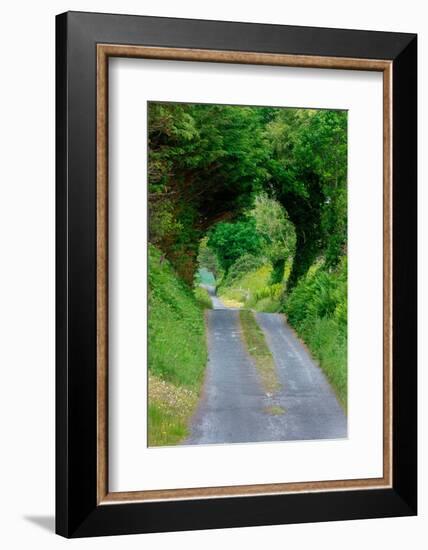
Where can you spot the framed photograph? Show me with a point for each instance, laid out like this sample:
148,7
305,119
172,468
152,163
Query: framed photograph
236,274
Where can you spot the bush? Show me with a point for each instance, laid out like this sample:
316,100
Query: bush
243,265
203,297
270,291
319,294
231,241
268,305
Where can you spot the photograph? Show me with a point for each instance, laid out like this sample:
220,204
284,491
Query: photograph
212,284
247,274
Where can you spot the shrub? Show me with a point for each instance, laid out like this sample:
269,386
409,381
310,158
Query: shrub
230,241
203,298
243,265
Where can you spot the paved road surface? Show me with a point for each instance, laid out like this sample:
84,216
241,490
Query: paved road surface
216,302
312,409
234,407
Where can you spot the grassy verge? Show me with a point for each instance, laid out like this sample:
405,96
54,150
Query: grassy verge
170,407
253,290
243,288
177,352
229,302
317,309
203,298
259,350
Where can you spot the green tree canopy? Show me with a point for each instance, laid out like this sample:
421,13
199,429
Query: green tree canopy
276,231
309,170
208,162
230,241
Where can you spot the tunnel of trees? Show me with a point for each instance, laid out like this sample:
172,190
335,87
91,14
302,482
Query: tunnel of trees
207,163
252,200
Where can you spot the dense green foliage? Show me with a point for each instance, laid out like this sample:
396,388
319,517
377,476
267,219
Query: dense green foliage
309,167
243,265
202,297
277,233
207,260
231,241
208,162
204,162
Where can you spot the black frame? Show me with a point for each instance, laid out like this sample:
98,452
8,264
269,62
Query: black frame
77,513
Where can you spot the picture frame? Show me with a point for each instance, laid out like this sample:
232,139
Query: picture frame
84,44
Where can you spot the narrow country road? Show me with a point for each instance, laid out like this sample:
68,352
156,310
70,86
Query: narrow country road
312,409
234,407
216,302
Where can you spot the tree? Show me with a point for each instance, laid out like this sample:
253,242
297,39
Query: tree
230,241
277,232
309,167
208,162
207,258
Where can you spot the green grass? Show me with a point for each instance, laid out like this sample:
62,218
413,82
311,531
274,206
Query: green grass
275,410
243,289
253,289
169,410
203,298
164,427
177,352
328,345
259,350
268,305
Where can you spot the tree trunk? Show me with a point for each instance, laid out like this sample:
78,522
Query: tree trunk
305,255
277,274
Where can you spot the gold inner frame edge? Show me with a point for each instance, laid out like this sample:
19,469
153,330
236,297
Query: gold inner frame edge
104,51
